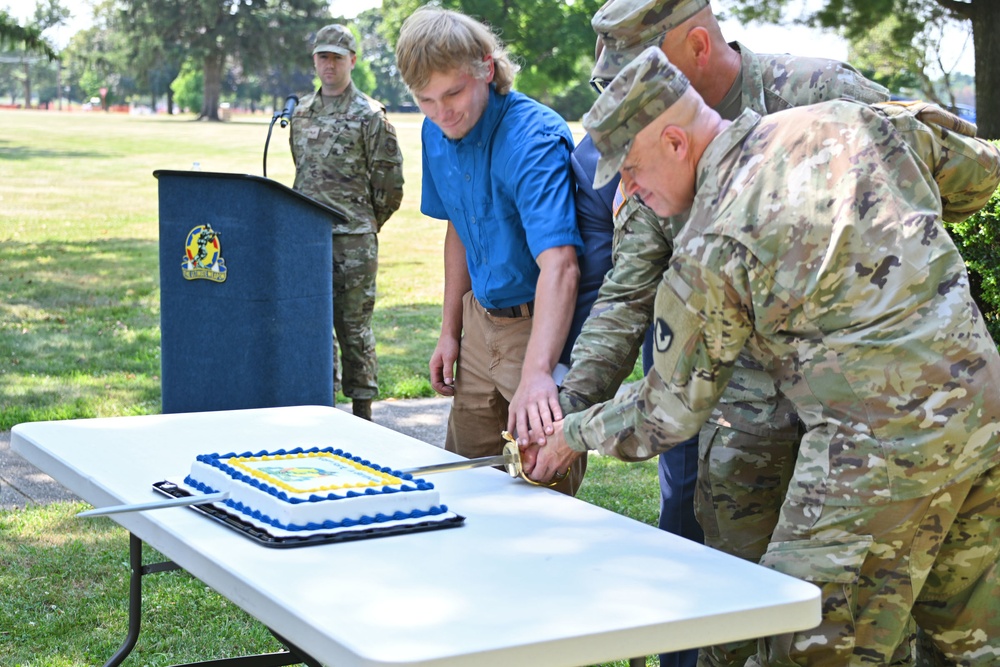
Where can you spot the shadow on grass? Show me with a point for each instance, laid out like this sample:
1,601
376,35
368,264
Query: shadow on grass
80,332
10,152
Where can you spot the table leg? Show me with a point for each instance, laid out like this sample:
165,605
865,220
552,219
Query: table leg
291,656
136,572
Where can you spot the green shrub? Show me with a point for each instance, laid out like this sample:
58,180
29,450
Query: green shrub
978,239
189,87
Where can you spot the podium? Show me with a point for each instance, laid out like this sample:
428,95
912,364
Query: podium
246,293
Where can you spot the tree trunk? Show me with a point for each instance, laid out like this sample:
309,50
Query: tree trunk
27,84
985,29
170,101
213,85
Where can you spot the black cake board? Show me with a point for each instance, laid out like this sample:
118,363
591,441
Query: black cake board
262,537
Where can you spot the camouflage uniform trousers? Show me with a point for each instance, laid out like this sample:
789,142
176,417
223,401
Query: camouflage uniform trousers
743,474
931,559
355,266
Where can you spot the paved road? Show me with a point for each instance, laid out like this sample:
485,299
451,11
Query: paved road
21,483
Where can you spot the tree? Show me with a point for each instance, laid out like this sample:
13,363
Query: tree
378,56
189,87
48,13
102,57
855,18
13,34
257,35
552,41
904,54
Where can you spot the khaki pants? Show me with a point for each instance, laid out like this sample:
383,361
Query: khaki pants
489,371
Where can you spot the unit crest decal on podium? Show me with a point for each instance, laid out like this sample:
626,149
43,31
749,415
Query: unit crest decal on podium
203,255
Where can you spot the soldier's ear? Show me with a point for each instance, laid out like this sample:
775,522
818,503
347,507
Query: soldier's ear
699,45
675,140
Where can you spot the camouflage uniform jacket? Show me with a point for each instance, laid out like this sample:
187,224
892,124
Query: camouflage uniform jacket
612,335
815,242
347,157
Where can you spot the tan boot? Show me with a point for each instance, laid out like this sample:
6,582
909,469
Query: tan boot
362,407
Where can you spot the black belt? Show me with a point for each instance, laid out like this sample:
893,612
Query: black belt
522,310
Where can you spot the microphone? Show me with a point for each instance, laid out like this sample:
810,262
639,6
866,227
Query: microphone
290,103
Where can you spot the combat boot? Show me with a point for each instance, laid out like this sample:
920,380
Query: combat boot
362,407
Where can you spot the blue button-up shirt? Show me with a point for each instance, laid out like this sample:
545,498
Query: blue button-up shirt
507,188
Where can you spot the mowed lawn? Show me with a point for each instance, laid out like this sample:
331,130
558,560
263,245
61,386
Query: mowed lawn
79,299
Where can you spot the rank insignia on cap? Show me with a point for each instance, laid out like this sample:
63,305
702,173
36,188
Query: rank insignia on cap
203,255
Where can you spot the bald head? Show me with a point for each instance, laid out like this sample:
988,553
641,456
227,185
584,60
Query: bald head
628,27
687,31
652,126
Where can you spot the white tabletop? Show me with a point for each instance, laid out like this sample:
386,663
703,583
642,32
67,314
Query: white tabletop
532,577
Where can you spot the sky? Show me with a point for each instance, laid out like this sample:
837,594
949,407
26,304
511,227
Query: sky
760,38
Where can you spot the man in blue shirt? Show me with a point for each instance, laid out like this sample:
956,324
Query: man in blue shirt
496,167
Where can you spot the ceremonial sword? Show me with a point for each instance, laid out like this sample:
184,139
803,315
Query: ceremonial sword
510,460
158,504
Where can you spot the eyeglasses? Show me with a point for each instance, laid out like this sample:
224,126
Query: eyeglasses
599,84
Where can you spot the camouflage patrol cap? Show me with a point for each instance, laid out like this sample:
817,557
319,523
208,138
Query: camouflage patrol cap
648,86
630,26
335,38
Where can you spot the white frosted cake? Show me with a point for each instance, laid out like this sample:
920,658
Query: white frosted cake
309,491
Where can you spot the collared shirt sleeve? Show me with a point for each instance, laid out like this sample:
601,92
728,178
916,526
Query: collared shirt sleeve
542,187
431,204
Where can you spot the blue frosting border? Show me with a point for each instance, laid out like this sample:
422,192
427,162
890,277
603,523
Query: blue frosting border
213,460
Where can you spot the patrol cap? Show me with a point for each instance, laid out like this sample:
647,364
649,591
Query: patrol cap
335,38
648,86
630,26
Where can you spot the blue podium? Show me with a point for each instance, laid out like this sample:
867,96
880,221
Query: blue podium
246,293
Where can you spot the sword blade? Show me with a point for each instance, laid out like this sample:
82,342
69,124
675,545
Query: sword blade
498,460
159,504
510,460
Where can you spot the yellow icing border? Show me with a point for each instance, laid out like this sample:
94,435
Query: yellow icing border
236,462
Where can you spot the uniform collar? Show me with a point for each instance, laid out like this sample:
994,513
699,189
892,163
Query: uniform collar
721,146
753,77
335,102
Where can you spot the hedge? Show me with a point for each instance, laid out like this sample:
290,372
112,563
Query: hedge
978,239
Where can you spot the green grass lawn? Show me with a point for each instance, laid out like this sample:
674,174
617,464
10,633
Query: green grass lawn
79,275
79,337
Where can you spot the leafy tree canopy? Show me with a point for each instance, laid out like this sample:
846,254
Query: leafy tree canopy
259,36
29,37
855,19
552,40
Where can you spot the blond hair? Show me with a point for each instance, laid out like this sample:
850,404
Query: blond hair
440,40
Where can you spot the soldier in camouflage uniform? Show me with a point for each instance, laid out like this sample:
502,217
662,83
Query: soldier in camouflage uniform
814,241
747,448
346,156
